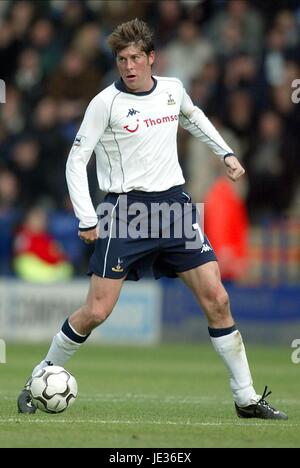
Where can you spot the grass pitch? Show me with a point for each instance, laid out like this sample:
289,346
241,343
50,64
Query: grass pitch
166,396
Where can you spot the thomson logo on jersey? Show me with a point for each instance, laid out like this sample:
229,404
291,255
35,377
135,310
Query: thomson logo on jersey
132,130
150,122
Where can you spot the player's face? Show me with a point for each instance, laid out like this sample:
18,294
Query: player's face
134,66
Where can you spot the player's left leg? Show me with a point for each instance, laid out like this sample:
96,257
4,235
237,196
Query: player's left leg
205,282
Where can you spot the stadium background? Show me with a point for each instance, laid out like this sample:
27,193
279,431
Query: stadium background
238,61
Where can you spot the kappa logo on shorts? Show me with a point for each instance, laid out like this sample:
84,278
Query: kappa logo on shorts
205,248
118,268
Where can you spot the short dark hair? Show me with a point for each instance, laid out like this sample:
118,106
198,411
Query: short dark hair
133,32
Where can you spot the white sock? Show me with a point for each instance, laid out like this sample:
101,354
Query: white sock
61,350
232,351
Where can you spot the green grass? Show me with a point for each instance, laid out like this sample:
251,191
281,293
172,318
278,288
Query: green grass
166,396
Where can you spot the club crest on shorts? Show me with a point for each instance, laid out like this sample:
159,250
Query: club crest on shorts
118,268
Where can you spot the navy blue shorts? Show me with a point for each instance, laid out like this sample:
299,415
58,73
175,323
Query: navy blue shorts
149,234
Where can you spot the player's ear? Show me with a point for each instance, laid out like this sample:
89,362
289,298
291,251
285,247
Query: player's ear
151,57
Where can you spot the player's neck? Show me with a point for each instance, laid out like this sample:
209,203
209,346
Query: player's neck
145,87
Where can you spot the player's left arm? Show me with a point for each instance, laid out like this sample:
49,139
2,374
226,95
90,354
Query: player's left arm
234,169
195,121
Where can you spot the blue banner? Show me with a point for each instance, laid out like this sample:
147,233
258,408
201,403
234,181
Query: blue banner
257,304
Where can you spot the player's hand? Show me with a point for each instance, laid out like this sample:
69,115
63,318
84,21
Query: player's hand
234,169
89,236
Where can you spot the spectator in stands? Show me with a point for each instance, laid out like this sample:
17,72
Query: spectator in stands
29,78
53,148
188,53
21,17
166,20
9,190
47,43
9,49
67,81
12,113
9,215
237,27
25,162
239,115
37,256
227,225
90,43
204,89
269,169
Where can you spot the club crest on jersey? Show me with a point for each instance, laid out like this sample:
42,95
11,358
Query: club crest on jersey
171,101
132,112
118,268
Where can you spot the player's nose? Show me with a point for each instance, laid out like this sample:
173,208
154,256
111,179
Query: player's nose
129,64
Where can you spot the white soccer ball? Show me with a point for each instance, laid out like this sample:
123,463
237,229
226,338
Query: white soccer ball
53,389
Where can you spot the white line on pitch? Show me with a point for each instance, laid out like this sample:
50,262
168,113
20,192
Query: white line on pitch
128,422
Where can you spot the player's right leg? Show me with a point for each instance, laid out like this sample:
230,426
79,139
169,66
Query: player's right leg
101,299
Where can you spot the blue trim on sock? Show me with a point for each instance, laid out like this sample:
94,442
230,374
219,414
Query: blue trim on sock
67,330
217,332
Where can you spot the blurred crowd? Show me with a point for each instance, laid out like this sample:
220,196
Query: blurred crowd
237,59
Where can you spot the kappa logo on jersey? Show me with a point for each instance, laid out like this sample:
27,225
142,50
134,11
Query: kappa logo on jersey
171,101
205,248
132,112
118,268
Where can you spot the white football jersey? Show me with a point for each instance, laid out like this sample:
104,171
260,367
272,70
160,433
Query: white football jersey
134,136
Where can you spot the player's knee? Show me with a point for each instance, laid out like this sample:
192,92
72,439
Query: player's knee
99,311
222,303
218,303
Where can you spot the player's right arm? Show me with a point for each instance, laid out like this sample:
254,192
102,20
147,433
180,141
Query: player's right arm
92,128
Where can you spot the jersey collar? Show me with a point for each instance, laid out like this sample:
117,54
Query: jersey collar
121,87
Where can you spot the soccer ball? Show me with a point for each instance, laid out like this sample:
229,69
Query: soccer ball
53,389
